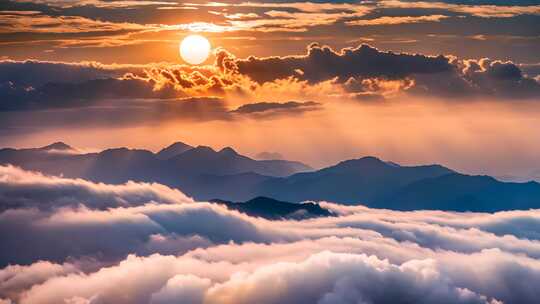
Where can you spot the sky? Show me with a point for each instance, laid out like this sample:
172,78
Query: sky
453,82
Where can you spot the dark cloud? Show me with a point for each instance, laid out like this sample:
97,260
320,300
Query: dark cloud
365,72
531,70
74,95
75,85
35,73
114,113
322,63
501,79
276,107
90,94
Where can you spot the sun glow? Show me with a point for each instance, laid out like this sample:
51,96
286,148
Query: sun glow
195,49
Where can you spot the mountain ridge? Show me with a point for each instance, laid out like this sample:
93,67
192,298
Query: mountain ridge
204,173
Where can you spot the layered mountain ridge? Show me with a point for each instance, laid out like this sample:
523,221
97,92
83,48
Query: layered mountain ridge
204,173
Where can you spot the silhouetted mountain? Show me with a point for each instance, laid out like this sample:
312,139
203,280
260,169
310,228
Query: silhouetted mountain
204,160
204,173
200,172
379,184
273,209
58,146
173,150
57,158
464,193
353,181
121,164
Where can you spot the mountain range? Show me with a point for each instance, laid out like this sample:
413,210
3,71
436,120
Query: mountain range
205,174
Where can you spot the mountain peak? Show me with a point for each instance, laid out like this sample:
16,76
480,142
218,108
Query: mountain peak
173,150
57,146
204,149
363,161
370,159
262,200
228,150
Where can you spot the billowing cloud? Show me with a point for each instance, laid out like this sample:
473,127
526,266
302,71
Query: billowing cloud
24,189
172,249
323,63
352,73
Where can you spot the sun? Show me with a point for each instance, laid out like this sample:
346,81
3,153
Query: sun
195,49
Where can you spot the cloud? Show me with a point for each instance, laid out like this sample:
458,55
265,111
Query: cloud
69,212
84,84
13,22
25,189
323,277
16,278
370,71
322,63
189,288
143,230
29,73
343,278
60,29
492,9
142,217
276,107
173,248
532,70
387,20
363,72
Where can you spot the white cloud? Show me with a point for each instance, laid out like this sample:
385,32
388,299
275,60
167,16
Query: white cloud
158,246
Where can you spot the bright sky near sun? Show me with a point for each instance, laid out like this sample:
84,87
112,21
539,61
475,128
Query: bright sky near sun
195,49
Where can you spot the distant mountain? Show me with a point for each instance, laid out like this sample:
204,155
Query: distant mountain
122,164
57,146
351,182
57,158
204,160
204,173
273,209
173,150
200,171
380,184
461,192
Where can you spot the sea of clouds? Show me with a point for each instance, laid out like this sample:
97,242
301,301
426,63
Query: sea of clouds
73,241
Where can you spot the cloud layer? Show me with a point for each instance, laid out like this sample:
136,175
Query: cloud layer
362,72
75,241
105,30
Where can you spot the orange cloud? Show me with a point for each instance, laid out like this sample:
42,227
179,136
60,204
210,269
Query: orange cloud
397,20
